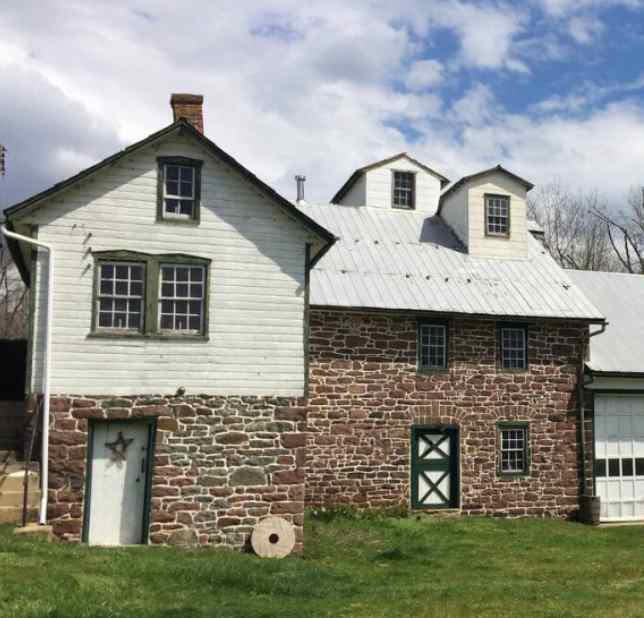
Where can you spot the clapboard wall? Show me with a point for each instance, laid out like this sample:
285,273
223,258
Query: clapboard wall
256,281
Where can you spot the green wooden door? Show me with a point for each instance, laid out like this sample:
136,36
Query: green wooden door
434,467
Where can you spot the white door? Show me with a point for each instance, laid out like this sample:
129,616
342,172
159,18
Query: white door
117,483
619,456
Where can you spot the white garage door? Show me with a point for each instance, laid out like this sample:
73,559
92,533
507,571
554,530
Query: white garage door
619,456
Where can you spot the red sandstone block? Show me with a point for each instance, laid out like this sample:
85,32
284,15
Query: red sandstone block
279,508
288,476
83,403
150,411
293,440
87,413
58,404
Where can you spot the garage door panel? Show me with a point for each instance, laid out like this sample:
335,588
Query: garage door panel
619,456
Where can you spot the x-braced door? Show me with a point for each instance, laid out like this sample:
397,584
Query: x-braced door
434,467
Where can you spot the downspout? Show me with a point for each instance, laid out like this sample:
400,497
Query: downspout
581,386
44,464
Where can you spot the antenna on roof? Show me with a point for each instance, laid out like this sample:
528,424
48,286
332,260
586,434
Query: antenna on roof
300,180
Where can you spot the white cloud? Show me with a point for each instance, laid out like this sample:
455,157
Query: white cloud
584,29
302,87
424,74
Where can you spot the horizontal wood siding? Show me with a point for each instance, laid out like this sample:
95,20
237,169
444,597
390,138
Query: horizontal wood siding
516,246
379,182
454,212
357,195
256,283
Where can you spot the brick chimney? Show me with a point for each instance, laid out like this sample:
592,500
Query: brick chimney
190,107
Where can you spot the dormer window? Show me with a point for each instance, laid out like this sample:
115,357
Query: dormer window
179,189
497,215
404,190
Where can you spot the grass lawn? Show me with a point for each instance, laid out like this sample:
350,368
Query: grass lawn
380,567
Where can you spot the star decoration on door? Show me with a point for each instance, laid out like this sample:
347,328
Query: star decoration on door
119,447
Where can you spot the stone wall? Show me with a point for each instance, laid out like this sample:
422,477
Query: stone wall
221,464
365,394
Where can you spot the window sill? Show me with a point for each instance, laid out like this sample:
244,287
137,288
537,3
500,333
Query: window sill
428,371
514,476
178,220
145,336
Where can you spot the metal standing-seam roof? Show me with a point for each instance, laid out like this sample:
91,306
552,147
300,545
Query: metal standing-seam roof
401,260
620,297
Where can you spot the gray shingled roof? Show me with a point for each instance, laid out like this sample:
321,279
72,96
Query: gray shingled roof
620,297
388,259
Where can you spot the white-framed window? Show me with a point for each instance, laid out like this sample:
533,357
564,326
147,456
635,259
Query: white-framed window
404,190
120,296
497,215
513,449
514,347
178,190
432,346
182,298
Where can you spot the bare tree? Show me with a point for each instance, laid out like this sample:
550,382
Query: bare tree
625,231
14,301
574,237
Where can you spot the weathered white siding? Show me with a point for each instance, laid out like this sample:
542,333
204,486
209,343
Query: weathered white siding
463,210
256,280
357,195
380,179
374,187
454,213
516,246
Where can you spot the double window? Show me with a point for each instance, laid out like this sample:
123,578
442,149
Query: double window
179,192
513,451
513,346
137,293
432,346
497,215
404,190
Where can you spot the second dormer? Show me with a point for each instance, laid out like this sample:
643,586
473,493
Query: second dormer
488,213
399,182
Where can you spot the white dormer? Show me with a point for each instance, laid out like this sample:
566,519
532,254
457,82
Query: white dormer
399,182
488,212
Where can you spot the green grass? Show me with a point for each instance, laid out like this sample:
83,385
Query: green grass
351,567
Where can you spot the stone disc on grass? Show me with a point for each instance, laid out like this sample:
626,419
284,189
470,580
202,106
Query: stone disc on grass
273,537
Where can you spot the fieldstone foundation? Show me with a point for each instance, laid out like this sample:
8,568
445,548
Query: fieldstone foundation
366,393
221,464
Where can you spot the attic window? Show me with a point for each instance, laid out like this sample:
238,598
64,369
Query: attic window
404,190
179,189
497,215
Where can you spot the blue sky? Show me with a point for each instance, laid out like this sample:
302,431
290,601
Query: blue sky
553,89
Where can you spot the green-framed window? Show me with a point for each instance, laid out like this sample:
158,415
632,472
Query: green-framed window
514,449
150,295
179,189
513,346
432,345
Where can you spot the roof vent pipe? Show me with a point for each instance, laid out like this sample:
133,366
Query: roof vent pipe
300,188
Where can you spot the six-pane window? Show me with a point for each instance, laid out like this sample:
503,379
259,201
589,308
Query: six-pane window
181,299
497,215
514,450
178,190
120,296
432,346
403,191
513,348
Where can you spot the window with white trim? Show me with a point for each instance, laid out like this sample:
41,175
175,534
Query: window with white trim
514,347
497,215
514,449
404,189
181,299
432,346
120,296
